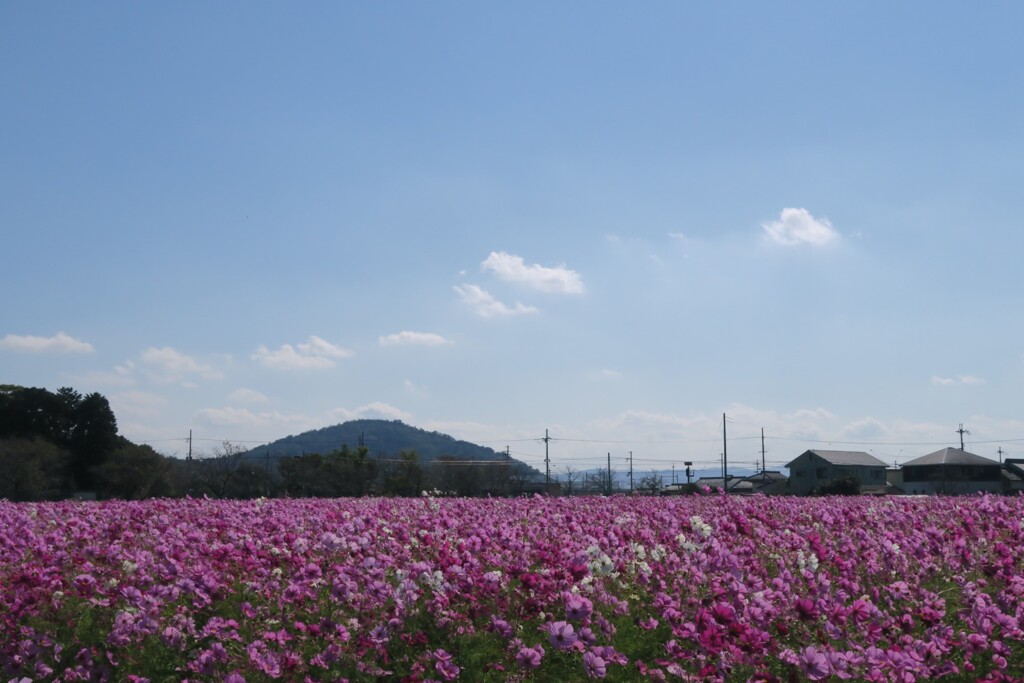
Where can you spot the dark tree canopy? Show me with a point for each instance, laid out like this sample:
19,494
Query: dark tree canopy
84,426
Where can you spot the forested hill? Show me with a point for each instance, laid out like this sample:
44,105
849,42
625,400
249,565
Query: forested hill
383,438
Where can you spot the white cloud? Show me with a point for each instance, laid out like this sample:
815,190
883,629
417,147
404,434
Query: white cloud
243,417
121,376
512,269
316,354
375,410
244,395
318,347
170,365
406,338
59,343
961,379
798,226
604,374
138,403
270,425
486,305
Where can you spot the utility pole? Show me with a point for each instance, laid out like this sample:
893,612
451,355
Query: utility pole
609,473
674,473
762,452
631,471
190,445
547,464
725,459
962,431
1000,455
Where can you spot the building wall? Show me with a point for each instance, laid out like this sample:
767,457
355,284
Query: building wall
952,488
809,471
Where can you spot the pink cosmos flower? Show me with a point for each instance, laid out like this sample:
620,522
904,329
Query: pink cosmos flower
578,607
594,666
813,663
529,658
561,634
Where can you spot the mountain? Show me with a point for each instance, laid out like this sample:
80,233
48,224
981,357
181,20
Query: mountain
384,439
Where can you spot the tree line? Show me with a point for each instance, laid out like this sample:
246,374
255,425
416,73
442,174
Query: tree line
55,445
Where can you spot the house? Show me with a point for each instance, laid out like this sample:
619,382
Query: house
1013,475
768,482
952,471
815,468
715,483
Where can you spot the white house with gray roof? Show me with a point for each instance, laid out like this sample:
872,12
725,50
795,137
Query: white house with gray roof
815,468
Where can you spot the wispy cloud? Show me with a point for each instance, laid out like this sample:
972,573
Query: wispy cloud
487,306
960,379
375,410
797,226
243,417
406,338
139,403
59,343
268,422
316,354
245,395
122,376
170,365
512,268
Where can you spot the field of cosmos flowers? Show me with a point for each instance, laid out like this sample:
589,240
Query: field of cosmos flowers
702,588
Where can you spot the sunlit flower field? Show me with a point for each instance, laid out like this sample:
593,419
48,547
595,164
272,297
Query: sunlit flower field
704,588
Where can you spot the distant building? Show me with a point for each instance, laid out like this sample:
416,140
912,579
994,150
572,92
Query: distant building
952,471
1013,475
815,468
716,483
768,482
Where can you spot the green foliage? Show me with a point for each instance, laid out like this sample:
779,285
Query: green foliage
344,472
83,425
34,469
405,478
134,472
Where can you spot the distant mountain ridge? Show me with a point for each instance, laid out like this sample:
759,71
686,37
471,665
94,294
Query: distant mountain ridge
384,439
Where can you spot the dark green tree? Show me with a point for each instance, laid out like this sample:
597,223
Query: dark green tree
406,477
134,472
93,438
33,469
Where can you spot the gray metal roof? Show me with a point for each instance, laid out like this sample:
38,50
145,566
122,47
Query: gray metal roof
847,458
950,456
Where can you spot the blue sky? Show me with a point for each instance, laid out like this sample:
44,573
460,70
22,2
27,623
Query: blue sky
609,221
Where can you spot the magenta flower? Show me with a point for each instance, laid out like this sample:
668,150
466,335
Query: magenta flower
561,634
447,668
594,666
813,663
578,607
806,609
529,658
